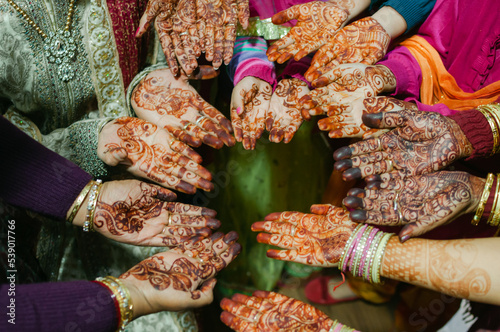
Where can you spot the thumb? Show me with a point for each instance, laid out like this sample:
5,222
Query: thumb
204,295
115,156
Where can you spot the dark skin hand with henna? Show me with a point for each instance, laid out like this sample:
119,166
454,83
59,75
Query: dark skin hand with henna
422,142
420,203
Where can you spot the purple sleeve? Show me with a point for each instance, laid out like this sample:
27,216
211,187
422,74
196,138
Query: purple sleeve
296,69
57,306
407,72
250,59
34,177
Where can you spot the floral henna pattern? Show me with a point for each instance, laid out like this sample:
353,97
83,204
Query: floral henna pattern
182,111
128,216
185,37
183,275
284,118
269,311
311,239
364,41
317,22
422,142
421,203
447,266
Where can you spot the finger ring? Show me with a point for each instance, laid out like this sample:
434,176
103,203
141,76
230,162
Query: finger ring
390,167
164,229
230,24
183,33
396,201
255,317
294,229
186,125
200,259
169,219
379,143
201,118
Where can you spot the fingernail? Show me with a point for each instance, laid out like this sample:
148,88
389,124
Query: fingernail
238,110
342,153
343,165
404,238
351,174
358,215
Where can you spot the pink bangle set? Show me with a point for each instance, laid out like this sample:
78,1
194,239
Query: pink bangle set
338,327
362,255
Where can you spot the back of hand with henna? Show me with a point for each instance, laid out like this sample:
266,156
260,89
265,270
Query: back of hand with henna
422,142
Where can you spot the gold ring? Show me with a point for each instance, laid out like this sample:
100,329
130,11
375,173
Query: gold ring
201,118
186,125
389,165
169,219
183,33
255,317
294,229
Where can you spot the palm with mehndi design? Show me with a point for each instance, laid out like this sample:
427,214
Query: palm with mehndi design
317,23
349,82
172,103
250,101
284,117
419,203
177,279
315,239
363,41
140,213
269,311
422,142
153,153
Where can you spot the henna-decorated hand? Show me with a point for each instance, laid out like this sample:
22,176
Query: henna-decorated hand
182,277
216,26
364,41
269,311
152,153
317,23
420,203
172,103
423,142
249,106
284,117
315,239
175,23
347,121
140,213
349,82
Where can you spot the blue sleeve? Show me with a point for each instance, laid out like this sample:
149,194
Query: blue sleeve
415,12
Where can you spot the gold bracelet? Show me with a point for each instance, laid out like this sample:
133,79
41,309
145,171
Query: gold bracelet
88,225
78,201
484,109
495,113
122,296
494,218
484,199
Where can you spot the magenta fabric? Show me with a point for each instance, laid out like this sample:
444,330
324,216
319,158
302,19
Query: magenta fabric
467,36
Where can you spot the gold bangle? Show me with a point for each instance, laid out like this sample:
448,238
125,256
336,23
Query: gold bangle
484,199
88,225
494,219
484,109
78,201
379,255
122,296
495,113
494,205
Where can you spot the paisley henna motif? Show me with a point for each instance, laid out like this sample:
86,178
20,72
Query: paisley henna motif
420,203
317,22
422,142
364,41
269,311
312,239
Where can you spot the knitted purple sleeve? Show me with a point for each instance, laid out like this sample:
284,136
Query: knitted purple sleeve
34,177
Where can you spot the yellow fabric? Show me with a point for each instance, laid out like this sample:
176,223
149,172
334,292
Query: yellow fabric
439,86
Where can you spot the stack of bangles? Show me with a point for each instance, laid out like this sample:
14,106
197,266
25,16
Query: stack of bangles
122,299
92,190
492,114
494,217
363,253
337,327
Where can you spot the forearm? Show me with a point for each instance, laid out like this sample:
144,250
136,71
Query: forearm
35,177
392,22
413,13
461,268
61,306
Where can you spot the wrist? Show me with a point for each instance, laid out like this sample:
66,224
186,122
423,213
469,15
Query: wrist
391,21
75,209
141,306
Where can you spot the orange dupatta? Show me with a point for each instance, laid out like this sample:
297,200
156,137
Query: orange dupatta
439,86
